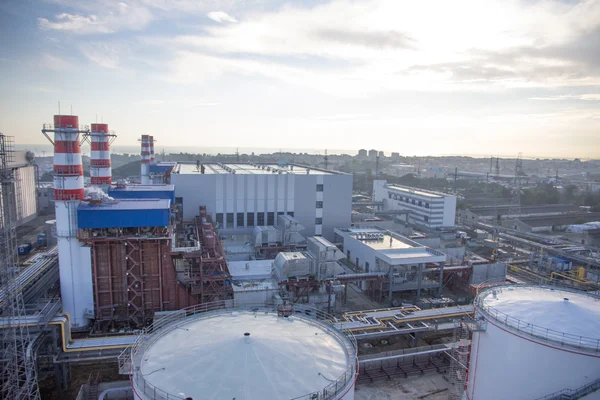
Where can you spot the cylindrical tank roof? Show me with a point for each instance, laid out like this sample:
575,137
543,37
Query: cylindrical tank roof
244,354
567,317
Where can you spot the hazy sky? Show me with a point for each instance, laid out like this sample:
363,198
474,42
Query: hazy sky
418,77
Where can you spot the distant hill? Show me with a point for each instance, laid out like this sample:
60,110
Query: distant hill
129,169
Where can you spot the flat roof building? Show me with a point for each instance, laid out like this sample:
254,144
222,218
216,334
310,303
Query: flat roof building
241,196
422,207
412,265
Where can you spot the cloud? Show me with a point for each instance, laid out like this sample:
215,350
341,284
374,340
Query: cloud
106,55
379,40
75,23
54,62
583,97
108,17
220,17
153,102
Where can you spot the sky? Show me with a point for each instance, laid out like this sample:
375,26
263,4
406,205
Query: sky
416,77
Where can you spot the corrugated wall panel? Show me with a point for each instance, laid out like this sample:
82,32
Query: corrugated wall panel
122,218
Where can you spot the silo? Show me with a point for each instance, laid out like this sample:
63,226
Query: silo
533,341
251,353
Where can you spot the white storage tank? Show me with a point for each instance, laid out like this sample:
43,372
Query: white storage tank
535,340
252,353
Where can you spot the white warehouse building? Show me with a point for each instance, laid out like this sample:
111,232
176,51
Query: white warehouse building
423,207
241,196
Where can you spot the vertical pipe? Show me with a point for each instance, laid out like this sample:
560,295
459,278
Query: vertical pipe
391,284
419,280
441,288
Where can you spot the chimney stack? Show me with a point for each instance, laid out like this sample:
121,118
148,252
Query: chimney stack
75,281
100,170
145,160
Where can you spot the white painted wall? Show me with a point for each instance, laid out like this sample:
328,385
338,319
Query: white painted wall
505,366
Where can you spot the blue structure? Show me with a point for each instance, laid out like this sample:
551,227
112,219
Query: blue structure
126,213
143,192
162,167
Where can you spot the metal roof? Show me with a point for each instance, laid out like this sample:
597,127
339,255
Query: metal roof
211,358
560,310
144,188
246,169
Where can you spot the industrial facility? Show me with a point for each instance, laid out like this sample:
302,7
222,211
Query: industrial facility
426,208
266,281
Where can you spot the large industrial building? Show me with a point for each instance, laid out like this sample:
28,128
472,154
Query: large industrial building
424,208
242,196
24,186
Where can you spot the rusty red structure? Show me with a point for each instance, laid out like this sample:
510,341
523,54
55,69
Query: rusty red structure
138,272
133,276
207,272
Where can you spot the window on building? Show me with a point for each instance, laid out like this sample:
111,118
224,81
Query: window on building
408,201
390,195
271,218
220,219
240,220
414,202
319,188
319,221
260,219
250,219
280,213
366,266
426,205
319,204
425,218
291,213
229,220
420,203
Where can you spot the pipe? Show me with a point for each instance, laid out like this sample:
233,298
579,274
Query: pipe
64,321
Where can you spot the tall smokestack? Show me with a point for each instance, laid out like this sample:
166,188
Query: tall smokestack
75,281
145,160
151,149
100,170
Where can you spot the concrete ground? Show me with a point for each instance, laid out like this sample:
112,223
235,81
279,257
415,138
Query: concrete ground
430,387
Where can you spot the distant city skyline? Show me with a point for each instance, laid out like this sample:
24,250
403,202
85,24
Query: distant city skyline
420,78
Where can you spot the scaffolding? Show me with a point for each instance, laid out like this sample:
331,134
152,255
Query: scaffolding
18,376
459,360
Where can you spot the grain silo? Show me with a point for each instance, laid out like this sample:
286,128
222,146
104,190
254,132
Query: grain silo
534,341
257,353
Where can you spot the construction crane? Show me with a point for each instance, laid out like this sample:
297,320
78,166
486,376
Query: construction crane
18,378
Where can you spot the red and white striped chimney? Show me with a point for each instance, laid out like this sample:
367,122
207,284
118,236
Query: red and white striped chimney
145,160
151,149
68,170
76,288
100,170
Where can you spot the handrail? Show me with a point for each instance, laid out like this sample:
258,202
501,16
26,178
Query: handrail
536,331
573,394
168,323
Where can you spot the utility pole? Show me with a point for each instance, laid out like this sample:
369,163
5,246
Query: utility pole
326,159
18,378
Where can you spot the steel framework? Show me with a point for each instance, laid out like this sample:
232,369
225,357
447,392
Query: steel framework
18,372
133,276
207,270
